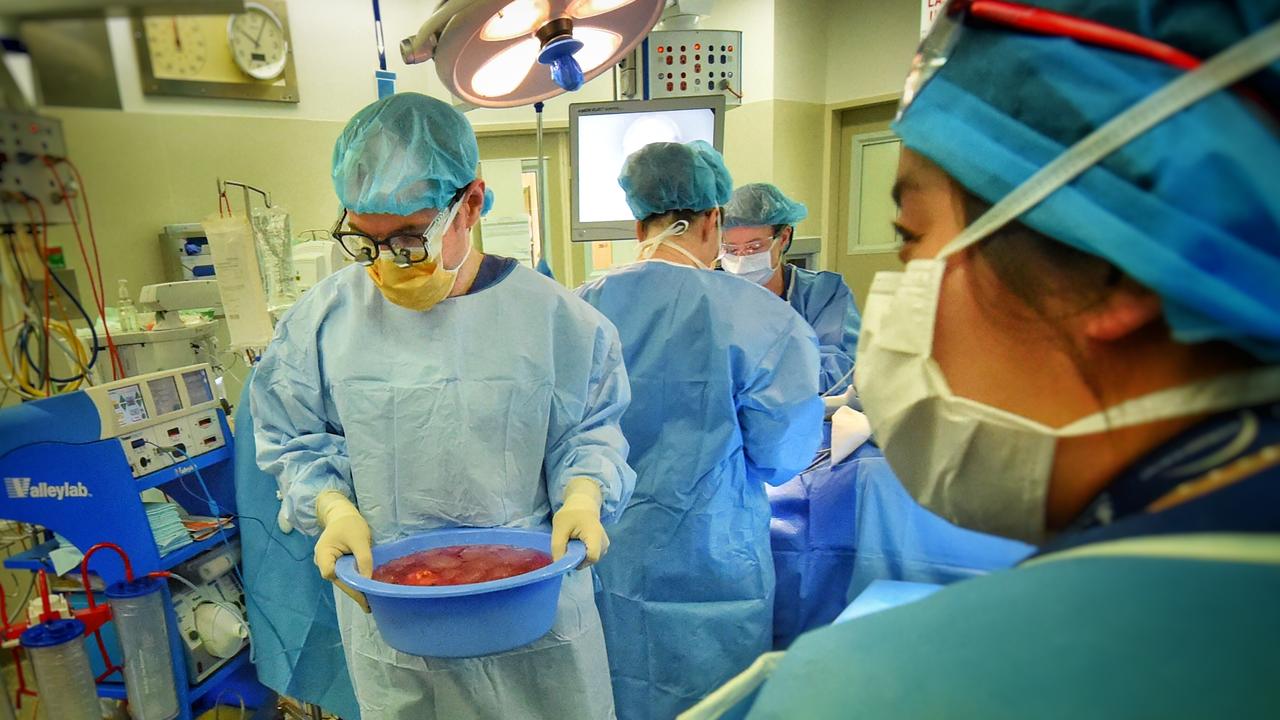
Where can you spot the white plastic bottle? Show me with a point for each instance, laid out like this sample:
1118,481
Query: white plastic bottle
128,314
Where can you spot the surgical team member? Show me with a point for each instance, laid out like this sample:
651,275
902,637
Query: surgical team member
726,400
1099,374
759,223
431,386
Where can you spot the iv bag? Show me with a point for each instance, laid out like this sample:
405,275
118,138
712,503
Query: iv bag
273,242
235,262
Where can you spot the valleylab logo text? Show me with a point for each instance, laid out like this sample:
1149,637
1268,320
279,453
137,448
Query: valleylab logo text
21,488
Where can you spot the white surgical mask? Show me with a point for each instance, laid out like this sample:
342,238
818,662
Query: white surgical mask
979,466
757,268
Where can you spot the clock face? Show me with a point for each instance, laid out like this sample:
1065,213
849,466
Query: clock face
176,46
258,43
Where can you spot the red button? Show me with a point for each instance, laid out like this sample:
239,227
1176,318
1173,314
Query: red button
661,50
697,46
670,60
670,87
730,48
35,129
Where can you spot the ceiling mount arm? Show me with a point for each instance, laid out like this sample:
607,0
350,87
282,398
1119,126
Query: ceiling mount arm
421,47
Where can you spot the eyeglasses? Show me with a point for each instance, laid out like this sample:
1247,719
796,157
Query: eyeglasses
406,248
949,27
751,247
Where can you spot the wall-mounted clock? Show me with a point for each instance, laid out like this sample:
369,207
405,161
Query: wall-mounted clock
246,56
259,43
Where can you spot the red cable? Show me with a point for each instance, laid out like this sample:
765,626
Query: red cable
84,568
109,667
88,216
43,251
22,680
93,240
4,610
99,293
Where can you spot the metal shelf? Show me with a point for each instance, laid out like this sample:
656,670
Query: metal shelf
35,559
186,552
219,676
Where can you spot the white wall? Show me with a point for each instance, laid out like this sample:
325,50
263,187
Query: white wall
869,47
801,31
754,19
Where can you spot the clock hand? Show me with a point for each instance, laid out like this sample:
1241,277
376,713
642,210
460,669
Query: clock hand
242,32
261,27
177,38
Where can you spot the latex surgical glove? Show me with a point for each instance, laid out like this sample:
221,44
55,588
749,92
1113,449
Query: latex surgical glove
345,533
579,518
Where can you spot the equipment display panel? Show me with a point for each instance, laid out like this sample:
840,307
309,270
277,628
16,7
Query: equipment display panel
164,395
198,390
128,404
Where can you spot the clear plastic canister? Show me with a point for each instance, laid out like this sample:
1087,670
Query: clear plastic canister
63,678
137,609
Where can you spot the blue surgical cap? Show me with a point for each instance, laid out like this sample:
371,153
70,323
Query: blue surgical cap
760,204
404,153
1191,209
661,177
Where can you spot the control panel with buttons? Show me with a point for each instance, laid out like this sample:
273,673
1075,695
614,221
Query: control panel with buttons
688,63
161,418
27,141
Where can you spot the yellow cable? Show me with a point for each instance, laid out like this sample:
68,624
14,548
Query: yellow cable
17,379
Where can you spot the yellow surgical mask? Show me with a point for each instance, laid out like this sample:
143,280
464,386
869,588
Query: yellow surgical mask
422,285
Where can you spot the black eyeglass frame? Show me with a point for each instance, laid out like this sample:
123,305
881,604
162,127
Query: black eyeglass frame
406,248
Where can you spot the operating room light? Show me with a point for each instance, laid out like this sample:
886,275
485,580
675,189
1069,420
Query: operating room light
505,71
518,18
508,53
598,46
590,8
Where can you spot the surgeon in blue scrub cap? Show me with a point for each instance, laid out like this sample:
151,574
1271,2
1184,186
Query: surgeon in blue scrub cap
1084,353
431,386
759,224
725,379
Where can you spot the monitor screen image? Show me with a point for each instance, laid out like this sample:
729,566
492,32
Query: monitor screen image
605,141
197,387
164,393
127,402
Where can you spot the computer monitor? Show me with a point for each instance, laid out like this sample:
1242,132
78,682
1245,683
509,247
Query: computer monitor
602,135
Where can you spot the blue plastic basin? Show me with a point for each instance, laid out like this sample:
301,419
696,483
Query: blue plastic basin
464,620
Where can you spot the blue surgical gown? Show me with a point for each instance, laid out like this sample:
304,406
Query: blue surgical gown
297,646
726,400
475,413
824,301
1131,612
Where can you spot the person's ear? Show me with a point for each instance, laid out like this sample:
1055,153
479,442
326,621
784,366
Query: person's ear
472,204
784,243
1125,311
711,228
